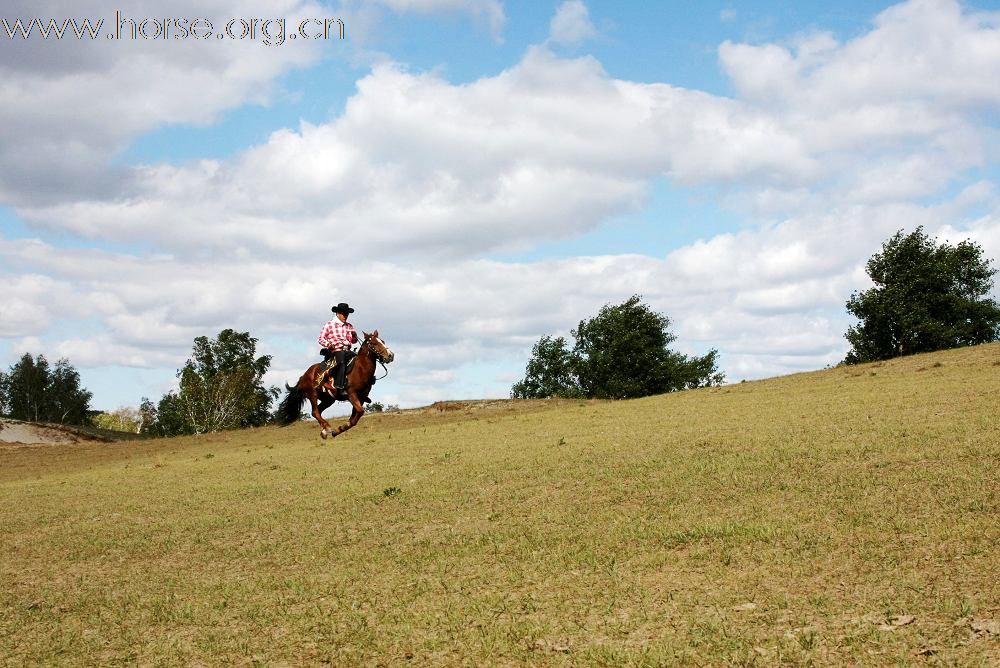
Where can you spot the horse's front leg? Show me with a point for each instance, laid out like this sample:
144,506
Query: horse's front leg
357,410
317,413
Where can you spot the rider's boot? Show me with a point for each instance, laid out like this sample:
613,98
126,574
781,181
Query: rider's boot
341,377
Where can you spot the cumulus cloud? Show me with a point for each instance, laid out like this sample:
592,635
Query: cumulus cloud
22,300
571,24
922,51
71,104
560,147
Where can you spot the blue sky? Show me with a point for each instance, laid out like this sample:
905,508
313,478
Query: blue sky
474,174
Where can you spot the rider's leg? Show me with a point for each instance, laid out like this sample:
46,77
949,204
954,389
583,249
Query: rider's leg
341,369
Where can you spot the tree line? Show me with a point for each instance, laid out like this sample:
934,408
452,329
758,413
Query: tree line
220,387
925,296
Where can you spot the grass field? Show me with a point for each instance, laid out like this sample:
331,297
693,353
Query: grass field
846,516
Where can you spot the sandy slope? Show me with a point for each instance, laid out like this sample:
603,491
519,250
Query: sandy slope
29,433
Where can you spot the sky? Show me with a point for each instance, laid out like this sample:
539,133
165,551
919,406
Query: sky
471,175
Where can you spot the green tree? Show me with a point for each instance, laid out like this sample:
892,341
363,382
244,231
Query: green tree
221,387
623,352
33,391
68,402
171,418
551,372
147,416
927,296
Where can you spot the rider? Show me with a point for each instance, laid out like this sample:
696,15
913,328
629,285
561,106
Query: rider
336,339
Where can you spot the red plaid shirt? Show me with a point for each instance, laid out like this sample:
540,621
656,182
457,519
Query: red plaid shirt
337,335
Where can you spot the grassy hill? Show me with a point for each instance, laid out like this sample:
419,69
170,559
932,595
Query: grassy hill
846,516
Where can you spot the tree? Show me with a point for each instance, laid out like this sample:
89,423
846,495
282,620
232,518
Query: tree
171,418
68,401
927,296
620,353
551,372
147,416
33,391
221,387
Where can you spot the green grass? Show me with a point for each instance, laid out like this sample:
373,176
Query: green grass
798,520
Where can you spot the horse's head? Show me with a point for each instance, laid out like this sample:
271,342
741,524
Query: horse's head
378,347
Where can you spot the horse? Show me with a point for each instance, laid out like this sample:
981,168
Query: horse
359,384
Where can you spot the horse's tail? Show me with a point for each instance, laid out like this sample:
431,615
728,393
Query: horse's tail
290,408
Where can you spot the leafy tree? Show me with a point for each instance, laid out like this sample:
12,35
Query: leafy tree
551,372
927,296
147,416
68,401
32,390
171,418
221,387
620,353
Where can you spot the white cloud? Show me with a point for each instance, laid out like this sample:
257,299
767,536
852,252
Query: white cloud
561,147
922,52
70,105
21,299
571,24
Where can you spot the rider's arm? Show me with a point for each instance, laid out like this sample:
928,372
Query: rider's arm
324,336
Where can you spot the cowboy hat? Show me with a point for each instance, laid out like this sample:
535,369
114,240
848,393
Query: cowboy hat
342,308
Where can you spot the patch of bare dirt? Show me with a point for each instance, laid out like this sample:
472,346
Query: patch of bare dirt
15,432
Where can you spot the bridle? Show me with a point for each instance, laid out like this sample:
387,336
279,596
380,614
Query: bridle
379,357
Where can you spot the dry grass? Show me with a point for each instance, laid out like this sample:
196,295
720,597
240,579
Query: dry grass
847,516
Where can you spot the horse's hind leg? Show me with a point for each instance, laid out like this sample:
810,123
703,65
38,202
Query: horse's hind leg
357,410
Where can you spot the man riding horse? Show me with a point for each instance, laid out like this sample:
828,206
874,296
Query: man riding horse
336,339
354,374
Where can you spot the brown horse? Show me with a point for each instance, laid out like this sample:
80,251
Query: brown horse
359,384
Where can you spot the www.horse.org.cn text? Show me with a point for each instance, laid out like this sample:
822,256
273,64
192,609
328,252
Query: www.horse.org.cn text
269,32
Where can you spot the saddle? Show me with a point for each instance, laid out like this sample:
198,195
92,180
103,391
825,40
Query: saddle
349,357
328,383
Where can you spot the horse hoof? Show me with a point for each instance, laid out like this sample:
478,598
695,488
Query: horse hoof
323,434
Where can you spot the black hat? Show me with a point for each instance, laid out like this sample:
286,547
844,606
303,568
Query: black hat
342,308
